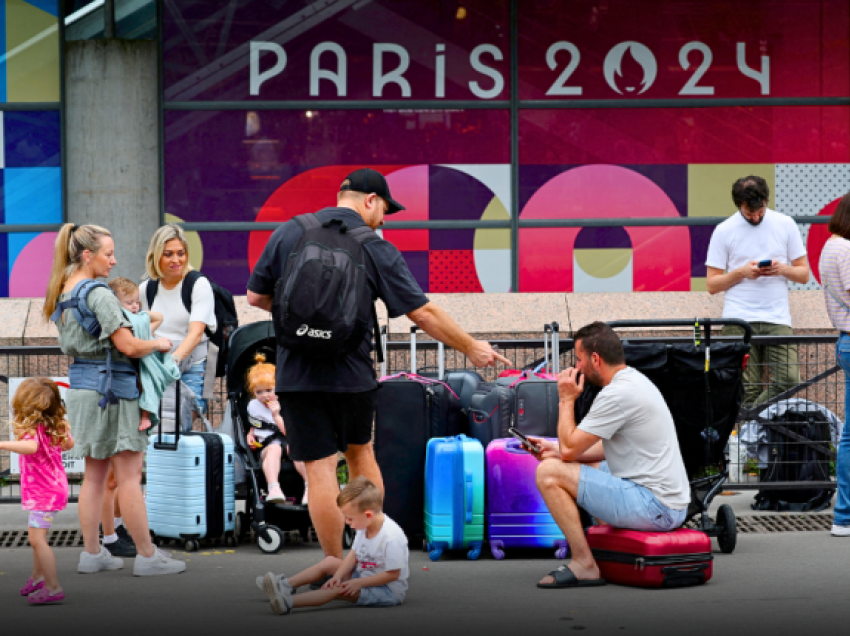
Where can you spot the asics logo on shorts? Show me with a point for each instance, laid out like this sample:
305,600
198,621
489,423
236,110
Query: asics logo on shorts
313,333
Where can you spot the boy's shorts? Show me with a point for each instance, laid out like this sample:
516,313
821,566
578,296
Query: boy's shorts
41,519
623,503
378,596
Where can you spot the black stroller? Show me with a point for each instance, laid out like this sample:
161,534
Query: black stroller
269,521
702,384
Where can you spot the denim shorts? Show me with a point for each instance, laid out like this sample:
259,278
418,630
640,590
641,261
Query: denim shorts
623,503
41,519
378,596
194,379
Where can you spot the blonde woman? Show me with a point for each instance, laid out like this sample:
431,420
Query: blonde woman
104,418
187,317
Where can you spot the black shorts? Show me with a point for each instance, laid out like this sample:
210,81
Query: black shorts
319,424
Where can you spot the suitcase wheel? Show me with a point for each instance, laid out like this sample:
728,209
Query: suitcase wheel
275,542
474,553
727,529
561,551
435,553
231,541
496,550
190,545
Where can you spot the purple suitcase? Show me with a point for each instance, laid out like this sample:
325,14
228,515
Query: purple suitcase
517,516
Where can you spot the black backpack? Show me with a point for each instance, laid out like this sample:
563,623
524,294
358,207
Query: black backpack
791,458
225,313
323,306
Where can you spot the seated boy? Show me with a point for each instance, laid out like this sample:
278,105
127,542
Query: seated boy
375,571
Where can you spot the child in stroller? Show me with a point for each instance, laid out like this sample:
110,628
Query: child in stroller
268,431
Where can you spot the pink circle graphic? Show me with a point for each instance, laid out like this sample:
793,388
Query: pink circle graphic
31,270
661,255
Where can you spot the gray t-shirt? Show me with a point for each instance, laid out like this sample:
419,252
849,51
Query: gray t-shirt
639,437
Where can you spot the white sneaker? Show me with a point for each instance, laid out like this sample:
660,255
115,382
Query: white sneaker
275,586
91,563
840,531
275,495
157,564
281,602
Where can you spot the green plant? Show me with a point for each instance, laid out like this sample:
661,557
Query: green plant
342,473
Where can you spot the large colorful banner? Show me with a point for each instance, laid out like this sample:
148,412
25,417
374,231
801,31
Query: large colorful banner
30,145
615,159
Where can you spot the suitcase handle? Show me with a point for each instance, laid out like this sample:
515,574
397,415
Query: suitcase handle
170,446
469,497
515,446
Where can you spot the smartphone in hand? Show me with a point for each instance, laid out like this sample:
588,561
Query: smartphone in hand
525,441
765,263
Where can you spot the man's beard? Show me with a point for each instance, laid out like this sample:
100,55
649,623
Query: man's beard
751,222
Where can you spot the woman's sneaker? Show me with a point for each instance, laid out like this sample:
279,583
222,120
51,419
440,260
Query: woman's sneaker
157,565
91,563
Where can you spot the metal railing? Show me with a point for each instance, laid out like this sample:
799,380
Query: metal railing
784,438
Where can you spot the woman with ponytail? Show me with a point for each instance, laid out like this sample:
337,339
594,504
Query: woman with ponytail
104,422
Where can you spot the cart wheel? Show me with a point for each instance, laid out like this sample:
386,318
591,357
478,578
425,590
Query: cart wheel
273,546
348,537
241,525
190,545
231,541
727,529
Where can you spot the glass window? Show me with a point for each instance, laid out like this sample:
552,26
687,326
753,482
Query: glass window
271,165
647,49
384,49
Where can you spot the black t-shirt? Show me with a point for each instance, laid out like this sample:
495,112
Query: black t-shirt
389,279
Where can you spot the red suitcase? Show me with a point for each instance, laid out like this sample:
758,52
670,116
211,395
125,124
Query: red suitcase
651,559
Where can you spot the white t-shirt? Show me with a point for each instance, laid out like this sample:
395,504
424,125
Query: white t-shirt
735,243
639,437
261,419
384,552
175,318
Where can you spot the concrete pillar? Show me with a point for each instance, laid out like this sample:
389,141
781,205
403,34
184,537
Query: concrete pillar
112,159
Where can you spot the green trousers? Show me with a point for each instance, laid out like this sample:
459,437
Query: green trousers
772,368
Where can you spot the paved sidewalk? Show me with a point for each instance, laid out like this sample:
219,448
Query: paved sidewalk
790,583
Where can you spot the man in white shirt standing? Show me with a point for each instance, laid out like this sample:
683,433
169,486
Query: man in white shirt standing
752,256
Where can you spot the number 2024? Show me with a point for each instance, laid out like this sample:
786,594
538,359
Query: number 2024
645,57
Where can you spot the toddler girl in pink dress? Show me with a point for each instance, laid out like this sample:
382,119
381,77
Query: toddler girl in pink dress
41,433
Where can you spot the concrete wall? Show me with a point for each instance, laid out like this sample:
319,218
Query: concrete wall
112,162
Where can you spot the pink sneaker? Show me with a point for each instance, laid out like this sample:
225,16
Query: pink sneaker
31,587
43,596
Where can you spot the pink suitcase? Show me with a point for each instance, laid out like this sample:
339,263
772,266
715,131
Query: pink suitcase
651,559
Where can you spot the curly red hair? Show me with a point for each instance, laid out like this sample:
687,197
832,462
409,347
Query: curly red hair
261,374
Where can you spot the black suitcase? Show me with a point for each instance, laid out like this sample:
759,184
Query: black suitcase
409,412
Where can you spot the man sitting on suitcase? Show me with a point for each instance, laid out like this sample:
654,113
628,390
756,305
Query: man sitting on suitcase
622,464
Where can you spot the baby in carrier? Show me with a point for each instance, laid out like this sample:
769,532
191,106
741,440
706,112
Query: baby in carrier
267,428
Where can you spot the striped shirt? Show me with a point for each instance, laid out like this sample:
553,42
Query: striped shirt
835,272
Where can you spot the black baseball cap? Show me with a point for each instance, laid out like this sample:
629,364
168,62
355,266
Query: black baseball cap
367,181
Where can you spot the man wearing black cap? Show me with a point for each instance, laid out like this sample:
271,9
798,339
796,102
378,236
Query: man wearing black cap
328,405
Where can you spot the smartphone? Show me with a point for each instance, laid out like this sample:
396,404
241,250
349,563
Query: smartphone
765,263
526,442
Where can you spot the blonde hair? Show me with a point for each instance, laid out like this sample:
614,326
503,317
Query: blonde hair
71,242
37,401
261,374
123,285
164,234
362,493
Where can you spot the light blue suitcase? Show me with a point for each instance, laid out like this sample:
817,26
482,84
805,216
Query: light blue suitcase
454,495
191,488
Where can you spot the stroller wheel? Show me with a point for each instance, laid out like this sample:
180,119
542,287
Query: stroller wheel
241,526
275,543
727,529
